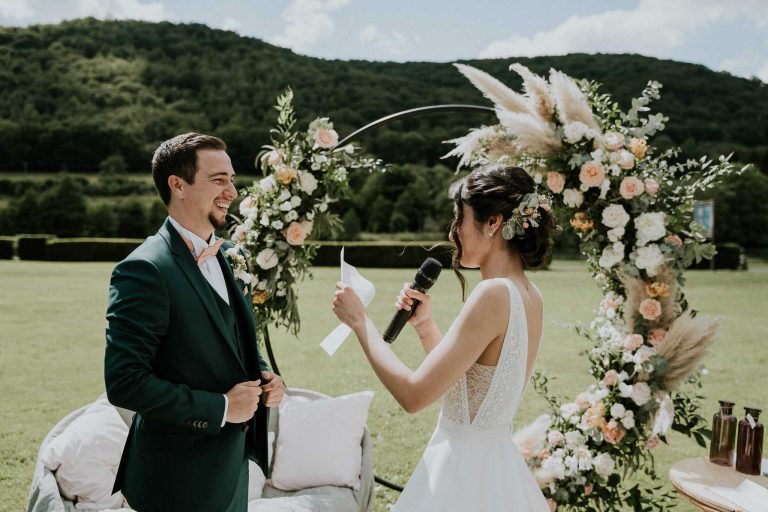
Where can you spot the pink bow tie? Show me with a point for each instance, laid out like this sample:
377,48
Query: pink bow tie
211,250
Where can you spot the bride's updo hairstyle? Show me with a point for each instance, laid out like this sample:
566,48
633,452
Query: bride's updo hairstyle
494,189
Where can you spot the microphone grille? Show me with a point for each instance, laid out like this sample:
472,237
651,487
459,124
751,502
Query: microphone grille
431,268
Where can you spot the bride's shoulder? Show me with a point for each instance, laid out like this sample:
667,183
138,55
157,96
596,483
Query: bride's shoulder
489,290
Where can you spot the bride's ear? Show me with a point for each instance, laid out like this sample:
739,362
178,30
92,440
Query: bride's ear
494,222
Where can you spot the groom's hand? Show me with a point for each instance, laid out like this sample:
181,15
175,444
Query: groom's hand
274,389
243,401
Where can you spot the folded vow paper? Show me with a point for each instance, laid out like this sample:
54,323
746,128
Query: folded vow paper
364,289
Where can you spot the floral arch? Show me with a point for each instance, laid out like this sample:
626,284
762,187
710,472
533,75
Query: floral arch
631,206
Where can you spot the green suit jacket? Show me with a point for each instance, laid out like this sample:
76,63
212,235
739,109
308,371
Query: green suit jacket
170,357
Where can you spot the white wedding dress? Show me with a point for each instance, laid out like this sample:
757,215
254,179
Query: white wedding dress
471,462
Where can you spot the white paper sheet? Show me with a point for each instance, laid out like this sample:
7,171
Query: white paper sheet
364,289
748,496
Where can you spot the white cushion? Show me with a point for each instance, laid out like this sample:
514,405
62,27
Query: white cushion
256,481
85,457
319,441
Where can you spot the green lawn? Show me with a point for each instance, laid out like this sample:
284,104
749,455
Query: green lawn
51,351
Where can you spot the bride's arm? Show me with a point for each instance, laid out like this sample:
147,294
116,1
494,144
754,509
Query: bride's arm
478,323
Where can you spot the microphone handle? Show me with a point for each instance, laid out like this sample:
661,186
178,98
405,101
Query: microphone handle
401,317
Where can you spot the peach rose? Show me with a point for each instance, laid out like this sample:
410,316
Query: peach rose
638,147
613,141
295,233
650,309
633,342
552,504
651,186
656,336
673,240
595,416
326,138
555,182
613,433
631,187
657,289
259,296
592,173
611,377
587,490
286,175
544,454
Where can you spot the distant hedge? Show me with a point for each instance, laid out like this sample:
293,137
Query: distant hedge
381,254
32,247
91,249
6,247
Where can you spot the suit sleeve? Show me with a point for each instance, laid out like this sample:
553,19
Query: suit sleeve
137,319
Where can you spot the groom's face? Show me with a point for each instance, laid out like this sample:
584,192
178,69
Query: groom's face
213,190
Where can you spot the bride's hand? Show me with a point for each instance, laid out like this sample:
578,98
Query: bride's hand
348,307
408,296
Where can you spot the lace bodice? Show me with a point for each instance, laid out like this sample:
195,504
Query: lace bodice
486,397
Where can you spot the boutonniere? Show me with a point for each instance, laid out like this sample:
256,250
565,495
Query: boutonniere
239,265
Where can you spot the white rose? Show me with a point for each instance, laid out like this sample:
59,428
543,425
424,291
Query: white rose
284,195
569,410
266,259
625,390
286,206
307,182
322,207
295,201
629,420
650,226
603,464
641,393
573,439
612,255
573,197
643,354
291,216
575,131
626,160
267,184
615,216
613,141
277,224
649,258
555,437
615,234
617,411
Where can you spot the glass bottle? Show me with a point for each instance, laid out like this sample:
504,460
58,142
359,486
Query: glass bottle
723,435
749,449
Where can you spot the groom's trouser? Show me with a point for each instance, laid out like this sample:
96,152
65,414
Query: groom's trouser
240,498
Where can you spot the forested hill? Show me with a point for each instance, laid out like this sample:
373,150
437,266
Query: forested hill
75,93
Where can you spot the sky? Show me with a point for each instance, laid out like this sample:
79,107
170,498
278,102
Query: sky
724,35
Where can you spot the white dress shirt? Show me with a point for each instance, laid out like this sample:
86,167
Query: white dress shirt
211,271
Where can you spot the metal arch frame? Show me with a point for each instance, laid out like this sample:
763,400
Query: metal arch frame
405,114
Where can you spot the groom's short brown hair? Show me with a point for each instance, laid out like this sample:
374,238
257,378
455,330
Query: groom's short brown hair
178,157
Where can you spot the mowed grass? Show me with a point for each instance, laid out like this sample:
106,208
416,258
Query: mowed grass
52,343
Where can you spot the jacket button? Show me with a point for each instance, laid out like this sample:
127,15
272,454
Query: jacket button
205,424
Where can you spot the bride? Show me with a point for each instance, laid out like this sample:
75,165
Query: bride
481,366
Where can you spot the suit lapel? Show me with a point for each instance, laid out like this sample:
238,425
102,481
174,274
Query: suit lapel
188,265
239,299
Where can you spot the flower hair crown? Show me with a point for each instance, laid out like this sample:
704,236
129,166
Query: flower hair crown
525,215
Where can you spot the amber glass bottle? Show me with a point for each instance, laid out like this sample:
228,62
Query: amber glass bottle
749,449
723,435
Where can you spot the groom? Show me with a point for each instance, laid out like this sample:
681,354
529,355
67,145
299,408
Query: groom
181,347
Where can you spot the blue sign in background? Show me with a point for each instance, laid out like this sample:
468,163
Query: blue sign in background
704,214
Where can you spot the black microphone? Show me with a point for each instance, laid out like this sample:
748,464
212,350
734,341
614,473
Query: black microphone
425,278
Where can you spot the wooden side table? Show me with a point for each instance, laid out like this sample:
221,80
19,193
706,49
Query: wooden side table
692,477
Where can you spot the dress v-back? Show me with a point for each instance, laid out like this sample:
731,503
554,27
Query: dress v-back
471,461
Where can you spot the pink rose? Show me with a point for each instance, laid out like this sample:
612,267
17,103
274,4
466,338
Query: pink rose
592,173
274,158
587,490
650,309
326,138
613,141
555,182
631,187
626,160
656,336
633,342
613,433
608,303
611,377
555,437
552,504
638,147
651,186
673,240
652,442
295,233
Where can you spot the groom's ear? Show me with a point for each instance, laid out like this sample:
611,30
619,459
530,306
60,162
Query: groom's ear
176,186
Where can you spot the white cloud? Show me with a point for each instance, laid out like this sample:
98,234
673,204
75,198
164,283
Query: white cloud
307,22
393,44
231,24
124,9
16,9
655,27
